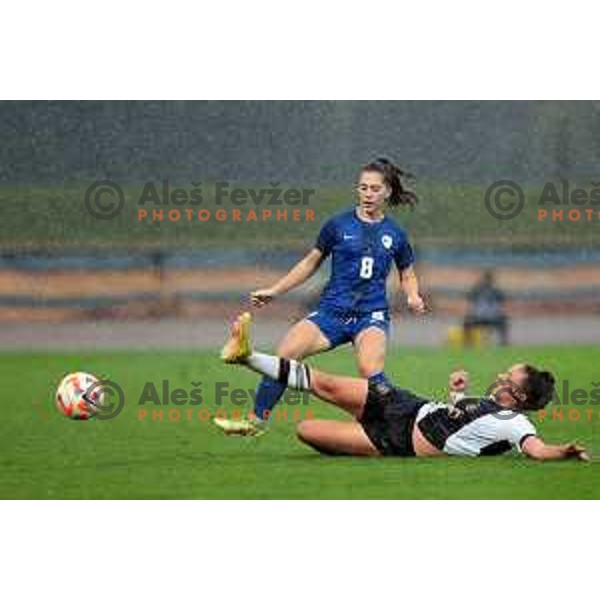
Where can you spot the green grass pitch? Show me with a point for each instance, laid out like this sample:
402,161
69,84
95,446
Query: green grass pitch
44,455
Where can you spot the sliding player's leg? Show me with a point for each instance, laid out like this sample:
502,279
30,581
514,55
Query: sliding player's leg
302,340
336,438
346,392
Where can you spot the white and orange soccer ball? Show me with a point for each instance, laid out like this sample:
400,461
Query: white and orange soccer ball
79,396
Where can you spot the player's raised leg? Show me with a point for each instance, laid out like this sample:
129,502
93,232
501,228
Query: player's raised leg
302,340
349,393
346,392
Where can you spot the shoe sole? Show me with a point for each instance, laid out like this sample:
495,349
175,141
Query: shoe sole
247,433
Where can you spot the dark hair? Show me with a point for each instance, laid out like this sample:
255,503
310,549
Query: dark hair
538,388
394,177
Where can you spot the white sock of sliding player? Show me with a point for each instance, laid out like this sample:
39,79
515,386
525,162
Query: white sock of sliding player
288,371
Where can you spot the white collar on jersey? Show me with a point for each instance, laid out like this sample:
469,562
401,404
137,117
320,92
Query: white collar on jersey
360,218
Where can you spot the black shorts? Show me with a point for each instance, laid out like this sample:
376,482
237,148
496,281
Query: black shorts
389,417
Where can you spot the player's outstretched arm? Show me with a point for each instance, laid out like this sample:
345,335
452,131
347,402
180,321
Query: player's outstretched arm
296,276
535,447
410,285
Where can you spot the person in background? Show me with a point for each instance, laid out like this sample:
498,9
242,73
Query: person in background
486,309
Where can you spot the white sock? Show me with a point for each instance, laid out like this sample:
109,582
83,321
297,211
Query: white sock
288,371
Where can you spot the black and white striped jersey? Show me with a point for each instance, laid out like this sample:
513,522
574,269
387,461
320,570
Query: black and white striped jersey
473,427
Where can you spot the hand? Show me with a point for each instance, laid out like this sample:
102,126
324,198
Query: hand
576,451
459,380
260,298
416,304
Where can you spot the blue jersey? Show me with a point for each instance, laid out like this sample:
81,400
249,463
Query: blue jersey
362,254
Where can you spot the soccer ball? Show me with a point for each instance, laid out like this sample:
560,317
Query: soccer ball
72,400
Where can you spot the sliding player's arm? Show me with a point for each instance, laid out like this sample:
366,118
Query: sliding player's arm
458,386
296,276
535,447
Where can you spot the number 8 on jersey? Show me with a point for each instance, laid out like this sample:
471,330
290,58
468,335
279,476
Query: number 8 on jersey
366,267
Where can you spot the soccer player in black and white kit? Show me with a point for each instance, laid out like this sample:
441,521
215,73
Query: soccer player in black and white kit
391,421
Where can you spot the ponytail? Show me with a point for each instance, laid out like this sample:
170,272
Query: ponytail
394,177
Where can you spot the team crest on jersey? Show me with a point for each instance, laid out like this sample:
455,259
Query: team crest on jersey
387,241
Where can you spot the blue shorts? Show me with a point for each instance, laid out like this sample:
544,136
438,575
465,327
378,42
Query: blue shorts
343,328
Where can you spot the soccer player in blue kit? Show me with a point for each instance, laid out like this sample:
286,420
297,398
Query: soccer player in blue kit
363,243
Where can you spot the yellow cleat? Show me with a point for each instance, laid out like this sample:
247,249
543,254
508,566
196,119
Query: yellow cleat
237,348
241,427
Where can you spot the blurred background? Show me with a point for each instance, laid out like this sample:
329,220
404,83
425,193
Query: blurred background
70,279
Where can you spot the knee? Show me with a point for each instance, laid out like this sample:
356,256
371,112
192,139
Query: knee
285,351
365,371
310,431
313,434
369,368
370,364
324,386
304,431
